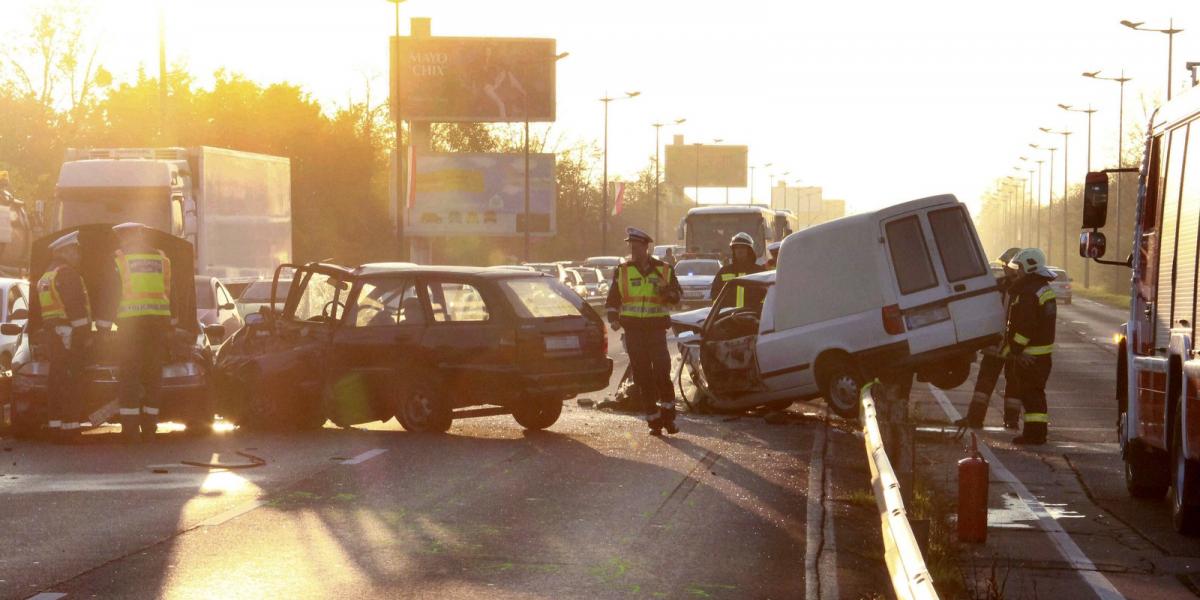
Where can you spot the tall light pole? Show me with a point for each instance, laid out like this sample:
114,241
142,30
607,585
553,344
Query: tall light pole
697,145
765,166
1029,201
718,141
1122,80
1170,31
1066,181
604,205
1089,111
401,184
657,148
1037,204
525,111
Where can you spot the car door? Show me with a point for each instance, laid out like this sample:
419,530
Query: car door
920,290
975,303
465,340
374,348
729,341
227,312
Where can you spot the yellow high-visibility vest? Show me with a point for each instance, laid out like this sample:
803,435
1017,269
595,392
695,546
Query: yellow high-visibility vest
51,302
145,285
638,296
741,291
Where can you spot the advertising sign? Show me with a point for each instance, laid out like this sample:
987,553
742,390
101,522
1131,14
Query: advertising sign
476,80
720,166
481,194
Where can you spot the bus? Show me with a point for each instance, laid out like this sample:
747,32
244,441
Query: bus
1158,373
706,230
786,223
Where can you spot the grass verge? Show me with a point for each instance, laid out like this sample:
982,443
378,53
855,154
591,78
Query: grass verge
941,553
1103,297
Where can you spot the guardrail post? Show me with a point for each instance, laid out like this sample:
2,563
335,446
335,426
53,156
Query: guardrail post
897,429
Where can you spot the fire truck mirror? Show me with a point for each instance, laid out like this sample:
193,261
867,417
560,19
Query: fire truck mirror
1095,200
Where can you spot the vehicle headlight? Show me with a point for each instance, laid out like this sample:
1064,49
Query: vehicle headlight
177,370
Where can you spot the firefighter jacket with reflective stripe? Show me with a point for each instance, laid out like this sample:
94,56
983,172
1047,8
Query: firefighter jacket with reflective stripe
730,272
643,298
63,298
1031,317
145,284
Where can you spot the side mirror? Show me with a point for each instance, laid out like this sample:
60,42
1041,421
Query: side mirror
19,314
10,329
1095,201
228,306
1092,244
214,332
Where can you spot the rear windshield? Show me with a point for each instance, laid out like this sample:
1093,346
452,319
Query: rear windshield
551,270
956,244
910,255
1059,275
541,298
697,267
588,275
260,291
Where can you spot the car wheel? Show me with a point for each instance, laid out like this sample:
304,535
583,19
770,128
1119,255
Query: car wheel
842,388
538,413
1185,510
423,408
951,374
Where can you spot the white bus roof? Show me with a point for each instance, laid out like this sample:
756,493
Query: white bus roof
736,209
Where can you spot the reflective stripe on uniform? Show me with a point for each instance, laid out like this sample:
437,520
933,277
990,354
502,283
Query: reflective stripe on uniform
741,291
79,322
666,405
1045,294
1037,417
129,412
149,410
54,424
1020,339
1039,350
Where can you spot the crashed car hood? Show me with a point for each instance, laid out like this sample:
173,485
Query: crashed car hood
98,244
691,318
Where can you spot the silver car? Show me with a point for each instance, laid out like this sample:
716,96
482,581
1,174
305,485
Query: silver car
1061,285
14,308
695,277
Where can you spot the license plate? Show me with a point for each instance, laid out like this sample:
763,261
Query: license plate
561,343
693,295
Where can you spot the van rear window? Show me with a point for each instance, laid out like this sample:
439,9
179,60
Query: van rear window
541,298
910,255
956,244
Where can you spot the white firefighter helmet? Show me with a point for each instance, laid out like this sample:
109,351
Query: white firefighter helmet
742,239
1030,261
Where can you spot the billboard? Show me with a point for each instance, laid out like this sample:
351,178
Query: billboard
481,194
476,80
720,166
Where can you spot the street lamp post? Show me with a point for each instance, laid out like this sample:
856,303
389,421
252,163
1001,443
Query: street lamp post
697,145
1089,111
1066,181
1028,202
604,193
401,187
1122,80
525,111
657,148
1037,204
1170,31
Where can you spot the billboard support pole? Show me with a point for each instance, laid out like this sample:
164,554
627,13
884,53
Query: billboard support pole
527,189
401,184
657,230
604,192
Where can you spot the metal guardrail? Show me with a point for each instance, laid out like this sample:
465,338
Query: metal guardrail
906,564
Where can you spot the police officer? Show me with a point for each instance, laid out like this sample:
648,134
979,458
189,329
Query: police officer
744,262
66,318
773,258
144,322
993,363
1030,338
642,289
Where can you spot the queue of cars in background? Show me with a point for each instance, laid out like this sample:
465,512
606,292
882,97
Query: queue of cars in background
695,279
1061,285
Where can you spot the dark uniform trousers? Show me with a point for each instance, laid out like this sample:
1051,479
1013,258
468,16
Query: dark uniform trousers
1030,382
143,344
63,384
651,363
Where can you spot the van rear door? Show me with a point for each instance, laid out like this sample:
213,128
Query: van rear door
921,294
975,304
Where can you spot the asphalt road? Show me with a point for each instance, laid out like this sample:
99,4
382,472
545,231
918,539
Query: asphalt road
1067,529
592,507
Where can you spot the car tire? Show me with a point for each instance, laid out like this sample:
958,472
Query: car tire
842,386
1184,490
951,374
538,413
422,407
1146,476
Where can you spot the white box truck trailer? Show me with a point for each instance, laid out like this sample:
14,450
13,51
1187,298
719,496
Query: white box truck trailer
234,207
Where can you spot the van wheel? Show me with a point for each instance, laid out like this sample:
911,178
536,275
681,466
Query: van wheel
842,388
950,375
1185,507
422,407
1145,475
538,413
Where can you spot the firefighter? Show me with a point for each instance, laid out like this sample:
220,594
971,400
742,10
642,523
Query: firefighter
993,363
773,255
1030,340
67,320
743,262
642,289
144,323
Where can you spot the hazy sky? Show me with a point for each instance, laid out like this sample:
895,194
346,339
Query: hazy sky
877,102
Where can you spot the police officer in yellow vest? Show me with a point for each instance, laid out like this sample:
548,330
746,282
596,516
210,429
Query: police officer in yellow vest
144,323
66,317
1031,321
744,262
642,290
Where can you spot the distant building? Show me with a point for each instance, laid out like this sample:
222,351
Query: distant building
807,203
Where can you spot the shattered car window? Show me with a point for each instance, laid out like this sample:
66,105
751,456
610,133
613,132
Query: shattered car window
383,303
455,302
323,298
541,298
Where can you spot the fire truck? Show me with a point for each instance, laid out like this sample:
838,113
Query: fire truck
1158,368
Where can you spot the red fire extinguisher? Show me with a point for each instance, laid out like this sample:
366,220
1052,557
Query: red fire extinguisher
972,496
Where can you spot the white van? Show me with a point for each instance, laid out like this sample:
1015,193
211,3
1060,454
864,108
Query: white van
903,287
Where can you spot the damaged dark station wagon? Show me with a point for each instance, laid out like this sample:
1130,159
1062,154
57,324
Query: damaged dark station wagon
424,344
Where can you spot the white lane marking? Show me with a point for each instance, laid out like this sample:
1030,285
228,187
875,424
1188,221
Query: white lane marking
1062,540
829,582
48,596
364,457
814,514
231,514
